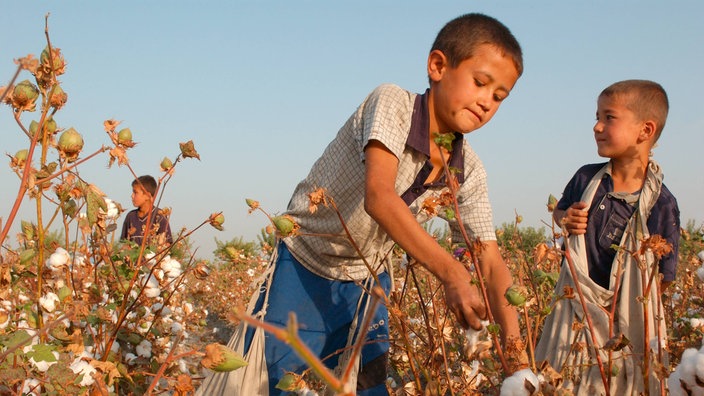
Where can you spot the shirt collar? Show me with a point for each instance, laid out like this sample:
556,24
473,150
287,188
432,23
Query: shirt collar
420,128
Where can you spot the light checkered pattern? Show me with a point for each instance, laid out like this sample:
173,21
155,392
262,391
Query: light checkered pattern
385,116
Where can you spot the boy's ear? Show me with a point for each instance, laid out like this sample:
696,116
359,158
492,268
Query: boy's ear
647,132
437,63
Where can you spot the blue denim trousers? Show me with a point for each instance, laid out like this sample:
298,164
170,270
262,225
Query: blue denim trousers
324,310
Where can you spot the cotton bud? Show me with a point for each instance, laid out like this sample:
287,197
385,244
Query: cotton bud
24,95
221,358
49,128
19,158
70,144
252,203
58,98
552,203
216,220
166,164
516,295
124,136
57,60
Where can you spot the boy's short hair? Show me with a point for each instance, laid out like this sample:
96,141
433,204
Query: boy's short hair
646,99
147,182
461,36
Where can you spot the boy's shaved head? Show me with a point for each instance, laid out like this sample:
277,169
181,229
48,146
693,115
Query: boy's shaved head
459,38
646,99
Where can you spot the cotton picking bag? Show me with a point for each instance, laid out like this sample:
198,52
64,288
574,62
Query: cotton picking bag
559,334
253,378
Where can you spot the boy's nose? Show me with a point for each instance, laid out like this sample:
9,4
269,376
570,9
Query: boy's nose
598,127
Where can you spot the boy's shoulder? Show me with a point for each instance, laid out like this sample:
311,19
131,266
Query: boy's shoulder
586,172
390,94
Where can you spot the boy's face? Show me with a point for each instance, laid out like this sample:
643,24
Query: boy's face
140,198
618,132
466,97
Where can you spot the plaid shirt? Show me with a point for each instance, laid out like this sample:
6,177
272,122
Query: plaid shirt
399,120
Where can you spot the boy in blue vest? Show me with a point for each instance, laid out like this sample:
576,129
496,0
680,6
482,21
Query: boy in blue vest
609,211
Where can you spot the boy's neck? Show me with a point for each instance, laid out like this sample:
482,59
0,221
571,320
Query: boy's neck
144,210
628,175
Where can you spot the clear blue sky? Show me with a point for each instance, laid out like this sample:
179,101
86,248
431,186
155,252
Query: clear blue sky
262,87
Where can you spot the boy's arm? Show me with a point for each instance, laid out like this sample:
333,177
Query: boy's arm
388,209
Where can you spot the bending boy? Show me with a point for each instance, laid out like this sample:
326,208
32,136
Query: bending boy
618,203
380,169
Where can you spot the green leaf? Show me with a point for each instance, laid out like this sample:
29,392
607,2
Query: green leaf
444,140
43,353
27,255
20,337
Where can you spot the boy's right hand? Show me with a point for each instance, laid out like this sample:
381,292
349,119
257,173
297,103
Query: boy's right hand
575,219
464,300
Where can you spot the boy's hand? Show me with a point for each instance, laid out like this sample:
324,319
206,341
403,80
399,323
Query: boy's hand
575,219
465,301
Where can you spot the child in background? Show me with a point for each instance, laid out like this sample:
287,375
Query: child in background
133,229
618,203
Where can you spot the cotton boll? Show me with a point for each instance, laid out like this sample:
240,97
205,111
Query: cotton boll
473,337
80,366
172,268
521,383
698,362
700,273
144,349
130,358
182,366
31,387
58,260
176,328
674,385
112,211
49,301
686,367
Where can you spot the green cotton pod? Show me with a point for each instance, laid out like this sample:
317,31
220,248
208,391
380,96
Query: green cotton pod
25,93
515,296
284,225
70,142
124,136
222,359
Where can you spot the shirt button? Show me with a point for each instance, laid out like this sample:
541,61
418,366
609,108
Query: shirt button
601,207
